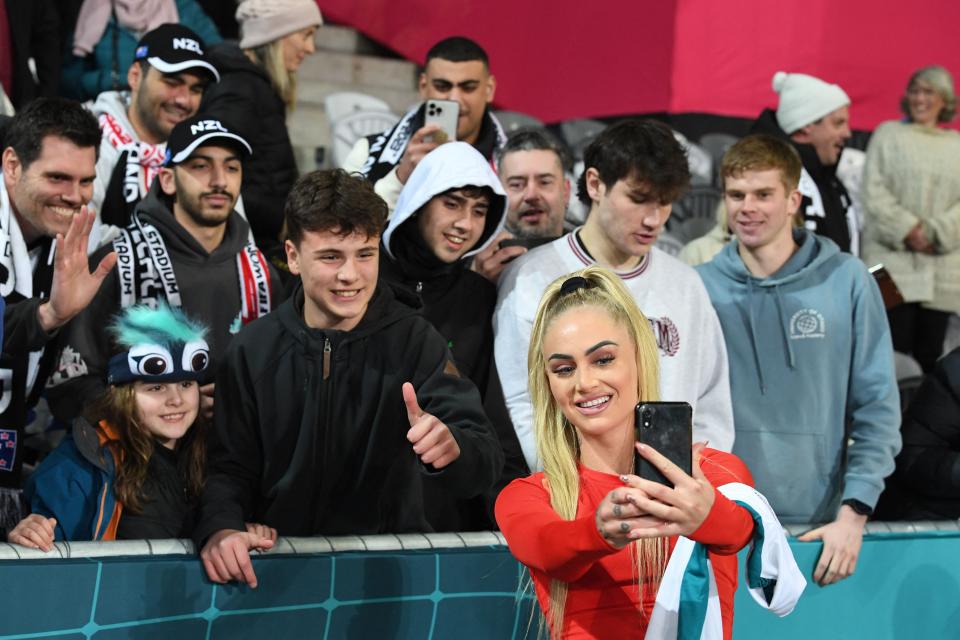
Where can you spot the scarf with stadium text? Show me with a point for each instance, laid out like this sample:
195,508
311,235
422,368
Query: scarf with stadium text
145,272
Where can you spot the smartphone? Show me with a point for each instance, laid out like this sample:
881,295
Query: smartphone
668,428
444,113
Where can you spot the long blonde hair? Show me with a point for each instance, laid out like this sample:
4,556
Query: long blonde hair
557,441
269,56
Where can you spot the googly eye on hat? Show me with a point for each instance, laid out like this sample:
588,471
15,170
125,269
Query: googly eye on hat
160,345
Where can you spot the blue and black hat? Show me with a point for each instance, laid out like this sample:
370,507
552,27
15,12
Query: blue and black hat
161,345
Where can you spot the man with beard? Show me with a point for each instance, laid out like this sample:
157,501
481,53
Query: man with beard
533,168
48,172
167,78
456,69
185,245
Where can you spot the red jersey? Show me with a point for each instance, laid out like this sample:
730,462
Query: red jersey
603,601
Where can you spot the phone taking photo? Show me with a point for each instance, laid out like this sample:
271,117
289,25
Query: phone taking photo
668,428
444,113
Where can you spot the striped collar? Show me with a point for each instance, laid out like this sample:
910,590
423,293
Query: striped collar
580,251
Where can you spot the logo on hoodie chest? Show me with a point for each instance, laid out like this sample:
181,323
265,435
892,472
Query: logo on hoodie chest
807,323
667,335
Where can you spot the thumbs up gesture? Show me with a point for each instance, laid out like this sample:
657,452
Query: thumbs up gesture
431,439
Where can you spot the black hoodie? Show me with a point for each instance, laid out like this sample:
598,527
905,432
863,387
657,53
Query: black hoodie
312,437
836,200
246,100
209,291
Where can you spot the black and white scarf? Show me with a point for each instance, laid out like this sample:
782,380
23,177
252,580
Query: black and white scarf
145,272
386,149
25,273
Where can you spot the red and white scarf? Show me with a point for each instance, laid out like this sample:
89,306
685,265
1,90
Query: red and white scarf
144,160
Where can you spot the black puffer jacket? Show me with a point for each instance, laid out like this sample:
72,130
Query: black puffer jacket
926,483
310,431
247,102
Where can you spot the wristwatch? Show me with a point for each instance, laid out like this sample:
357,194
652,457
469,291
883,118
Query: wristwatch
858,507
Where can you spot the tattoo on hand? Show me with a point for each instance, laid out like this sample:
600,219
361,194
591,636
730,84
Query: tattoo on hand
624,527
617,510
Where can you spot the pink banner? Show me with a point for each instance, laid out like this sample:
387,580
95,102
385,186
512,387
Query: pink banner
563,59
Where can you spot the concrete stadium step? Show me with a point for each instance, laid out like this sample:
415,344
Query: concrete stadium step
332,37
336,67
345,61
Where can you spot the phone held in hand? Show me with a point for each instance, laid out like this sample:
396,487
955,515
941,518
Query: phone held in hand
668,428
444,113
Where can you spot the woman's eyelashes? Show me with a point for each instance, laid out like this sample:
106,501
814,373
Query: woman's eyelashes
599,359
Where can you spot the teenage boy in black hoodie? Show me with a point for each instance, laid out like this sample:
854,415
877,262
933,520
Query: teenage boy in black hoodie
452,207
186,245
336,410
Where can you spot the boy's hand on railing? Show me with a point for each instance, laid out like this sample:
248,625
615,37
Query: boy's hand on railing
226,555
842,540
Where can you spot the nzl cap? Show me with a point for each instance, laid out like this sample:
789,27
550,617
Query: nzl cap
172,48
198,131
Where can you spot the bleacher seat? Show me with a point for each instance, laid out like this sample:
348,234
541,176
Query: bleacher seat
513,120
344,103
695,213
579,133
347,130
716,144
669,243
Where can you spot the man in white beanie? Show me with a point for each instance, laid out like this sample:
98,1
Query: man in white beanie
815,117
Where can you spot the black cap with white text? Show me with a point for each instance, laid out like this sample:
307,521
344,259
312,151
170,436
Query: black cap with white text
172,48
198,131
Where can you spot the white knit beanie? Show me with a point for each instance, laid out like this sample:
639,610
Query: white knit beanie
805,99
263,21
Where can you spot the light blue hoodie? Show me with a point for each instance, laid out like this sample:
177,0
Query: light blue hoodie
811,368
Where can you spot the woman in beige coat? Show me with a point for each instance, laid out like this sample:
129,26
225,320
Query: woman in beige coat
911,197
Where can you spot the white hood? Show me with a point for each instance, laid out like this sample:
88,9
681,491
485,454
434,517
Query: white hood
450,166
114,103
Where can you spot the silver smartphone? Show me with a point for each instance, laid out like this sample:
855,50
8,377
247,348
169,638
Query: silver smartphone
444,113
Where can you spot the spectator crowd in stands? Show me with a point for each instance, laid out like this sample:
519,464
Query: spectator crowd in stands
358,350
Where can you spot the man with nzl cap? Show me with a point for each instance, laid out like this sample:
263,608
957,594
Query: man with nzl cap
185,245
167,78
